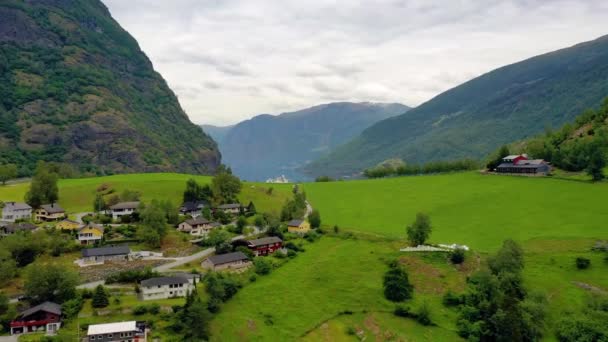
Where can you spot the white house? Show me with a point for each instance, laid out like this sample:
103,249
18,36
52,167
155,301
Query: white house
16,211
123,208
198,226
231,208
118,332
165,287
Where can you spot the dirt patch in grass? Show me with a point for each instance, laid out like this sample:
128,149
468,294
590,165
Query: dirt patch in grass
590,288
100,272
425,277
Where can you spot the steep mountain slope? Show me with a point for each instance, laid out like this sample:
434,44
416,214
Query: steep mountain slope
76,88
507,104
268,146
218,133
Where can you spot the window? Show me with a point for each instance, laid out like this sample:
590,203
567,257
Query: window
93,338
110,335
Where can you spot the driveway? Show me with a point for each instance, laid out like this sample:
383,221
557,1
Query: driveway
9,338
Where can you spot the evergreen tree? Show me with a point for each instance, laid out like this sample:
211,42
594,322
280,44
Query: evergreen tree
315,219
597,162
100,298
397,287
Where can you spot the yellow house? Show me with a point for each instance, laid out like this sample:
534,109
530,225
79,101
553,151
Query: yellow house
68,225
49,212
298,226
90,234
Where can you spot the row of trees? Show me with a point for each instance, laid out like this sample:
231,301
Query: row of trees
224,188
428,168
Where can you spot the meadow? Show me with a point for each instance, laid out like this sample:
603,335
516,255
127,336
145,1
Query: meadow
476,210
77,195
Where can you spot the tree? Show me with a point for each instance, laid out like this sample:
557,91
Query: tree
8,267
597,162
259,221
251,209
50,283
196,318
3,303
100,297
191,194
502,152
241,222
315,219
7,172
171,212
457,256
225,187
262,265
99,204
43,188
217,237
420,230
154,221
397,287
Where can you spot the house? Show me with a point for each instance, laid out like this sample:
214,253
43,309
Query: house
522,165
165,287
194,209
118,332
12,228
234,260
45,317
197,226
265,246
49,212
103,254
298,226
13,211
123,208
90,234
68,225
231,208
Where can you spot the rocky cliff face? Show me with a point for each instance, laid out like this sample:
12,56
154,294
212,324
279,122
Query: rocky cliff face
76,88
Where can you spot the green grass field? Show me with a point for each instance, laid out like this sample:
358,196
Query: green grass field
467,208
76,195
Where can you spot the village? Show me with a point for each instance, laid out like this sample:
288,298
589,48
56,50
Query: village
226,237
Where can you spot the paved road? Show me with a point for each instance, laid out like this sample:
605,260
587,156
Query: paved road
79,216
13,338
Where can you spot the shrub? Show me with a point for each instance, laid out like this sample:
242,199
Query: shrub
402,311
140,310
351,331
291,254
582,263
423,315
262,265
397,287
154,309
457,256
451,299
253,278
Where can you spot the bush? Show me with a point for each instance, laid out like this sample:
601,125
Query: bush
402,311
351,331
397,287
457,256
582,263
154,309
451,299
262,265
140,310
423,315
291,253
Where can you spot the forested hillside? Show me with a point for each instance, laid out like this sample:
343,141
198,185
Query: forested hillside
508,104
76,88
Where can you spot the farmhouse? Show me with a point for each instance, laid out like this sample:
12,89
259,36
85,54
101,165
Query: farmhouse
520,164
123,208
234,260
90,234
231,208
45,317
49,212
12,228
198,226
118,332
103,254
298,226
68,225
16,211
165,287
265,246
194,209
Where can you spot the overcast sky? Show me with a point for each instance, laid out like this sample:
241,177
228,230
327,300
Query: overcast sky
228,60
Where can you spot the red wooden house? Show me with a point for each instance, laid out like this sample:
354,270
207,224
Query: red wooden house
265,246
44,317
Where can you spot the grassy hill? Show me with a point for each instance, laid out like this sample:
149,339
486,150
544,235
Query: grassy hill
76,195
508,104
76,88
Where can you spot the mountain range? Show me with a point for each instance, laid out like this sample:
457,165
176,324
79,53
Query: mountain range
268,146
473,119
76,88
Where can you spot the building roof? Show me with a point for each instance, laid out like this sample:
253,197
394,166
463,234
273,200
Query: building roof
125,205
519,166
52,208
295,223
513,156
46,307
113,250
197,221
112,328
192,206
160,281
16,206
230,206
227,258
264,241
69,221
23,226
92,225
531,162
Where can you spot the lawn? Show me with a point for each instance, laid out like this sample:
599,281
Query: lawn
76,195
312,292
467,208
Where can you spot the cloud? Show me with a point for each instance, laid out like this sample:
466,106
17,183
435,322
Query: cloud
229,60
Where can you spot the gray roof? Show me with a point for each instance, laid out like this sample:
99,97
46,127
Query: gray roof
197,221
229,206
295,223
52,208
192,206
13,227
16,206
164,281
46,306
520,166
227,258
125,205
114,250
264,241
532,162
